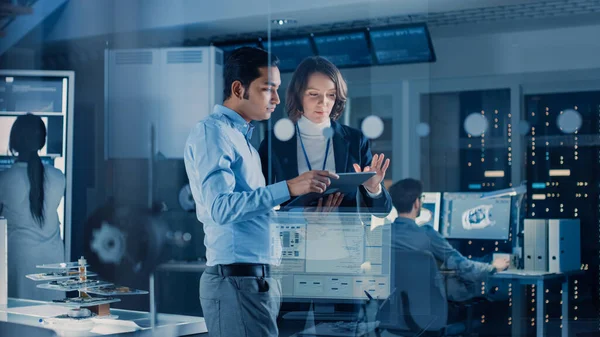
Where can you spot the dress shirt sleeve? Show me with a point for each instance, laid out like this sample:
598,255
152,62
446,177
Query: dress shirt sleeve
210,161
454,260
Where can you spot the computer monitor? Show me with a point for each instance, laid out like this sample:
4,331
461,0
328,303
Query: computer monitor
345,49
332,257
430,210
291,51
467,216
402,44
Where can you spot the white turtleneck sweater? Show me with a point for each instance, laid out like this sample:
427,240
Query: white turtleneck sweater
314,143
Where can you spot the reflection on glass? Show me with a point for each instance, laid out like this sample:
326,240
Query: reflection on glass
284,129
569,121
372,127
476,124
332,255
423,129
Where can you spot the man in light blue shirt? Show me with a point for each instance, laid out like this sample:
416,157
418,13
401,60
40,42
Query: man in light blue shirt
237,295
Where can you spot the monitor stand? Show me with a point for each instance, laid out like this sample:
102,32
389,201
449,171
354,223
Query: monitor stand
322,312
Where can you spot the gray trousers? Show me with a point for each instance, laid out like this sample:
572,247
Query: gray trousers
240,306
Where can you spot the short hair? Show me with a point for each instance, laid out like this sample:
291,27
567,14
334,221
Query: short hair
299,82
243,65
404,193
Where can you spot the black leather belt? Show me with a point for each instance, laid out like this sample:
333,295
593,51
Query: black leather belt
239,269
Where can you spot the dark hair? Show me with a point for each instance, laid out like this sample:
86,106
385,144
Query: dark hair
404,194
299,82
243,65
27,137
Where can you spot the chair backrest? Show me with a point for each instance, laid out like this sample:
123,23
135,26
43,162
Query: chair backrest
419,300
16,329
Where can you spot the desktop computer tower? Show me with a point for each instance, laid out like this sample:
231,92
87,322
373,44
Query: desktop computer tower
552,245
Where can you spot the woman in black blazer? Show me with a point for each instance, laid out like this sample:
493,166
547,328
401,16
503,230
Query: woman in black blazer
315,99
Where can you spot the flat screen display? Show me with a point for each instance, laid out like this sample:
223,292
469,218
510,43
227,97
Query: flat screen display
291,52
405,44
345,49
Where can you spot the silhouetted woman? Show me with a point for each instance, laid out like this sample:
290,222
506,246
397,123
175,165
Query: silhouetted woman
30,193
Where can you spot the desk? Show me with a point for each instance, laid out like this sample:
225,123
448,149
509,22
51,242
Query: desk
523,280
166,325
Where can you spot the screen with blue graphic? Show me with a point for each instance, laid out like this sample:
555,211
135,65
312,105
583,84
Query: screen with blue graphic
344,50
430,210
407,44
291,52
467,216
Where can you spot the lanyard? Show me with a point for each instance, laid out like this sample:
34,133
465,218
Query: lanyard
304,150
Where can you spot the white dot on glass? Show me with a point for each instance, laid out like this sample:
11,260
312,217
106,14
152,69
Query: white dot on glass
476,124
569,121
284,129
423,129
523,127
328,132
372,127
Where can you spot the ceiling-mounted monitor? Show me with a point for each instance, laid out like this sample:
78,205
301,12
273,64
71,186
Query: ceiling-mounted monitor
402,44
347,49
291,51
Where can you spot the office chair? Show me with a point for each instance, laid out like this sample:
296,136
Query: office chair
16,329
419,306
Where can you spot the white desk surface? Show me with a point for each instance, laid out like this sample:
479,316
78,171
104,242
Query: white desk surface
30,312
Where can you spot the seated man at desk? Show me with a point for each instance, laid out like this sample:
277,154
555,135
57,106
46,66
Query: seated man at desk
466,283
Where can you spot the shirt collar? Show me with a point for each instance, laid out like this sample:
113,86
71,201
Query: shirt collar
405,221
238,122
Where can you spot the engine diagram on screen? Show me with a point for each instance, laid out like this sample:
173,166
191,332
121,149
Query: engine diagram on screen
478,217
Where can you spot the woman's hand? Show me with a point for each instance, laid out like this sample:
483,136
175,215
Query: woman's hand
378,166
333,201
